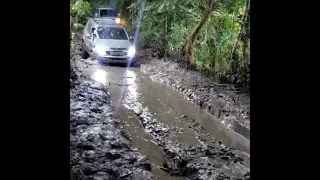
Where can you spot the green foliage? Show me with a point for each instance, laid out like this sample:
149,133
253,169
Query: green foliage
78,26
98,3
166,24
81,11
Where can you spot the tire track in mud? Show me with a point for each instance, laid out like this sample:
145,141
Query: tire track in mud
223,101
99,149
210,160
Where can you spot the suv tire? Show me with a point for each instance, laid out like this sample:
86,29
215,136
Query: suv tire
84,54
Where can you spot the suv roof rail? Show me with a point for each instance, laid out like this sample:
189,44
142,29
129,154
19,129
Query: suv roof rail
103,7
104,21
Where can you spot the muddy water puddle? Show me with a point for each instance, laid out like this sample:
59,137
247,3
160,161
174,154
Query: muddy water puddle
132,90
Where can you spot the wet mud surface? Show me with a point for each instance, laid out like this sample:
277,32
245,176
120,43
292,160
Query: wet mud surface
99,149
180,140
227,103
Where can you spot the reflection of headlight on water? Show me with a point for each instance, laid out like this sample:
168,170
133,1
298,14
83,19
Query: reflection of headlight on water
130,77
100,51
99,76
131,51
132,88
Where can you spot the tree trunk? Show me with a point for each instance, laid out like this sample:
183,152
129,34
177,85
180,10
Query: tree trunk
78,6
242,28
187,47
216,46
246,39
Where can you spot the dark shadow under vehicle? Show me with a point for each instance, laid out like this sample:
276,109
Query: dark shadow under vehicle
135,64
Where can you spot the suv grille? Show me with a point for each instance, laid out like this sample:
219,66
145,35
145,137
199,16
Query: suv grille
119,49
116,53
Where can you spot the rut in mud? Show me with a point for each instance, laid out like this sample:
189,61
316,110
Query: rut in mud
179,139
228,103
99,148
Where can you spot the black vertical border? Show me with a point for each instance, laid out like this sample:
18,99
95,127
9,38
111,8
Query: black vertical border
35,90
283,99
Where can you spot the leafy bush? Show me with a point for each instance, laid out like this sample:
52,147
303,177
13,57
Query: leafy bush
78,26
166,24
81,11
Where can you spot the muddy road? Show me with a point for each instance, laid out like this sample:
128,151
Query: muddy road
99,147
179,139
131,90
134,93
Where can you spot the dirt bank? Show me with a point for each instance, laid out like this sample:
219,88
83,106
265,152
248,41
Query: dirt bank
230,105
99,148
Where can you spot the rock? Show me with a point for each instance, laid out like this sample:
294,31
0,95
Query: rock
85,147
72,84
184,116
82,122
118,145
96,110
220,95
225,158
112,155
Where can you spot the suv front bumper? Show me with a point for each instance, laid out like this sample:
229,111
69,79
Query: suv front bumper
116,59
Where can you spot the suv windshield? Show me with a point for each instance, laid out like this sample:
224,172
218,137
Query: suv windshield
112,33
107,13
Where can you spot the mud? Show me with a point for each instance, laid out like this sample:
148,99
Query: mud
179,141
211,160
227,103
99,149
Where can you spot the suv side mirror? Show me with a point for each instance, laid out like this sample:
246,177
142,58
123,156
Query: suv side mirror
131,38
93,29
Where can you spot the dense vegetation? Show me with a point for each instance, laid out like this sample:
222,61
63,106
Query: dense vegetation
211,35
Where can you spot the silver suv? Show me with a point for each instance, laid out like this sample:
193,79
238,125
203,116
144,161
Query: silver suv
108,42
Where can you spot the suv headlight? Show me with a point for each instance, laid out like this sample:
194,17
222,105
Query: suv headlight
100,50
118,20
131,51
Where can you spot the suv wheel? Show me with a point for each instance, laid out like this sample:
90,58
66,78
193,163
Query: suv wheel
135,63
85,54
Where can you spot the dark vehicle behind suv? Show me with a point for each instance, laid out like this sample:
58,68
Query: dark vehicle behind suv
106,12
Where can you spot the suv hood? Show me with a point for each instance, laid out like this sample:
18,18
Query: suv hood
111,43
